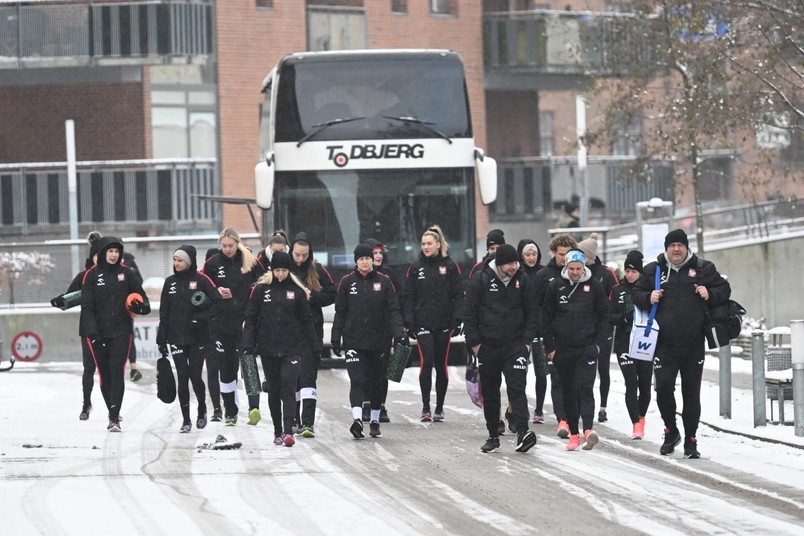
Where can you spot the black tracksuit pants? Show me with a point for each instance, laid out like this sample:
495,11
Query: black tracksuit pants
189,361
281,374
668,362
510,360
577,368
110,356
229,346
433,348
637,374
366,374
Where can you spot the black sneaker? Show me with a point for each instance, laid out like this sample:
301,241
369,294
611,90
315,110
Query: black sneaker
492,444
201,422
86,409
601,416
509,418
501,428
231,420
135,375
374,429
357,429
671,439
217,415
366,412
384,414
525,440
691,448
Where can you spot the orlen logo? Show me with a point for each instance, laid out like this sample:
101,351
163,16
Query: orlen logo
387,150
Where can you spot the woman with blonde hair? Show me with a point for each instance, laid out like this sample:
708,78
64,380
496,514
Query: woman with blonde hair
234,270
278,327
433,300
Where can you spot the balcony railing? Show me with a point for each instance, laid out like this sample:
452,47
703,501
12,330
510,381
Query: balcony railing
35,196
563,43
535,186
59,35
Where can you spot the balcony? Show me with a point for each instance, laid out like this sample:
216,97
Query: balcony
136,33
157,194
559,50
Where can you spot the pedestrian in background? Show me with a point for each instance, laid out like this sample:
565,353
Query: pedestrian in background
501,320
183,330
316,279
575,326
637,373
608,279
106,320
530,260
432,312
366,317
277,242
233,270
690,286
279,327
559,246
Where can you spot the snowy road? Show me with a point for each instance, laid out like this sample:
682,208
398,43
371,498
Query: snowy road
62,476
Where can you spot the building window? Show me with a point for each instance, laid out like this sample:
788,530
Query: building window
546,135
444,7
715,178
336,28
264,3
399,6
629,139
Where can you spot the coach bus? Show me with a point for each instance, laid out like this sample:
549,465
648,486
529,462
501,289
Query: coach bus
371,144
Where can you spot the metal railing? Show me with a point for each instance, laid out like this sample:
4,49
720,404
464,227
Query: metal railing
111,191
57,35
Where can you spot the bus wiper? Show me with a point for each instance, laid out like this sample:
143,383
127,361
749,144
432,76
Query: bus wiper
323,126
416,121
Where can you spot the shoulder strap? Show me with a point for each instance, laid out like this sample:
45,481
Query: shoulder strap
655,306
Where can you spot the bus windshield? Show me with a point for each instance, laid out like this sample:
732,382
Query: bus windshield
393,97
339,209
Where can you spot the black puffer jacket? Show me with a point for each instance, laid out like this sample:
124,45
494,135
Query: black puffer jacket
496,313
318,298
181,323
227,272
103,295
682,313
621,315
278,320
366,312
575,314
433,293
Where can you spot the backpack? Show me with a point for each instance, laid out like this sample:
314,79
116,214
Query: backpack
724,322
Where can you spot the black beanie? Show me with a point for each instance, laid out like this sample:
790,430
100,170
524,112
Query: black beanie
633,260
363,250
505,254
495,238
280,260
676,235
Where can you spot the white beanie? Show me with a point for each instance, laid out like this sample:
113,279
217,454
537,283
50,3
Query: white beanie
589,246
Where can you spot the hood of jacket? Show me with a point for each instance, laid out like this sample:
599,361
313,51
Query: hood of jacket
105,244
521,246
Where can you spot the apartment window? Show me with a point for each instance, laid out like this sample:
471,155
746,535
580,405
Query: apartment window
183,123
399,6
546,134
336,28
264,3
628,140
444,7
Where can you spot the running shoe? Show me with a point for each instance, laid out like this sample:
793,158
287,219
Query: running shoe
602,416
538,417
384,414
254,416
525,440
563,430
590,439
671,439
492,444
231,420
374,429
357,429
439,416
185,428
307,431
639,429
574,442
427,416
691,448
287,440
217,415
86,409
201,422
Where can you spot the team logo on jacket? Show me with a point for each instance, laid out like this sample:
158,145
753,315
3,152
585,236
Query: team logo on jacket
521,363
377,286
587,288
563,299
692,272
266,297
193,285
100,282
221,273
494,287
353,289
421,273
172,288
121,277
290,295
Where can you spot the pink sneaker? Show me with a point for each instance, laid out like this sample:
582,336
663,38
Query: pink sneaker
288,440
639,429
574,442
590,439
563,430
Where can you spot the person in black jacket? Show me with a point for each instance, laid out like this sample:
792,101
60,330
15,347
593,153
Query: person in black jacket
380,256
689,288
277,242
183,329
278,328
321,289
106,320
234,270
576,324
366,318
501,319
530,260
432,312
559,246
608,279
637,373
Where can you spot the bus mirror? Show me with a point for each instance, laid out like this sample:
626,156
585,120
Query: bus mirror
264,183
486,173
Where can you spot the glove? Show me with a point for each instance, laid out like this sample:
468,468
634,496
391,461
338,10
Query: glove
411,331
140,308
95,340
336,347
163,349
458,329
402,341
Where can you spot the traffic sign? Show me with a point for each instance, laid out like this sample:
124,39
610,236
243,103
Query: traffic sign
26,346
